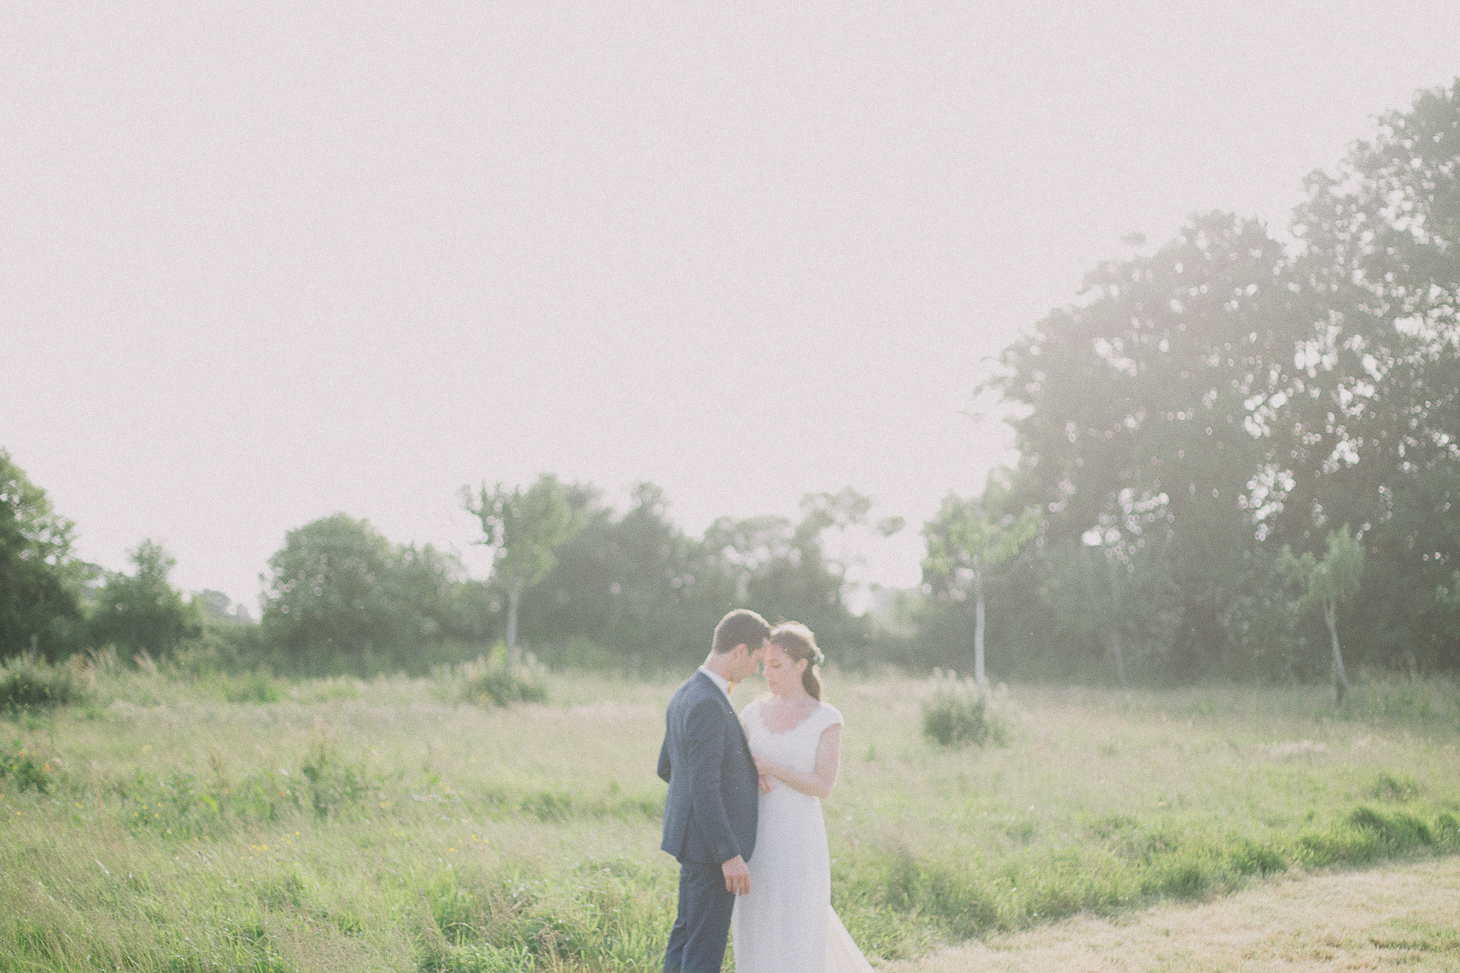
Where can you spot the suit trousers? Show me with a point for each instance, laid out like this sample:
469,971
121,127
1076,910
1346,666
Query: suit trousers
697,941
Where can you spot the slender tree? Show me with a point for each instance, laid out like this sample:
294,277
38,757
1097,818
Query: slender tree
1327,582
1101,571
965,545
524,528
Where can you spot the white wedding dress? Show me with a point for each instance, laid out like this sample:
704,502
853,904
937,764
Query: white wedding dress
786,923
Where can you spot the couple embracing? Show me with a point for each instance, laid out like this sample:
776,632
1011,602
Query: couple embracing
743,813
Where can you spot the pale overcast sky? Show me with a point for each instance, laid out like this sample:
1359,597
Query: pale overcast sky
261,262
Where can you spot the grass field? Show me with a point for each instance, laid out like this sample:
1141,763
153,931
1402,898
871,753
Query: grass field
1391,917
242,824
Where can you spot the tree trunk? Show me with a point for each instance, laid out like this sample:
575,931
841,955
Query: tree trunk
978,675
1340,681
513,594
1119,661
1115,625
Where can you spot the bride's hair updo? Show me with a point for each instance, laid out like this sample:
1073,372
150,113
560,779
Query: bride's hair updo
798,642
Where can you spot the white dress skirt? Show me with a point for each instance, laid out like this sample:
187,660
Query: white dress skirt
786,923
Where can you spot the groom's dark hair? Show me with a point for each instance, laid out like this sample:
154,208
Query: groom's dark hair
741,627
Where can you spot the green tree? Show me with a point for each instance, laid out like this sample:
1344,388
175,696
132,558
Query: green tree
525,529
965,546
1147,412
325,595
799,571
432,598
1222,397
1371,426
142,612
40,580
1095,577
342,596
630,590
1327,582
214,605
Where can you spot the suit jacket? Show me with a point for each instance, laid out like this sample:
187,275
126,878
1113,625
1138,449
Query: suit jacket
710,810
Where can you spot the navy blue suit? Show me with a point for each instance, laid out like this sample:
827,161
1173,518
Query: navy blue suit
709,817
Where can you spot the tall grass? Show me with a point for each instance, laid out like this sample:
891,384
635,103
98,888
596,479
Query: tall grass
28,682
346,824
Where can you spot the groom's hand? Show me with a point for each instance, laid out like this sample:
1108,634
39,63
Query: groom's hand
737,876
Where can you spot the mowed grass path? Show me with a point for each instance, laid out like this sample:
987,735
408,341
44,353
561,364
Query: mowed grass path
1401,917
368,826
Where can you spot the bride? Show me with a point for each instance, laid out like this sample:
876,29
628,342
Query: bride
786,924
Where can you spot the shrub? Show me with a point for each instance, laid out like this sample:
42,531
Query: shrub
26,769
492,679
957,712
29,682
333,785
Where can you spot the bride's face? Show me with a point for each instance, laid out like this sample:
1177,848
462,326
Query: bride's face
782,673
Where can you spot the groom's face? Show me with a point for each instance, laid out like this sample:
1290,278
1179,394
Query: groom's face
750,659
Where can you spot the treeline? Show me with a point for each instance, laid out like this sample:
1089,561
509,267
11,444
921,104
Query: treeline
1238,456
594,587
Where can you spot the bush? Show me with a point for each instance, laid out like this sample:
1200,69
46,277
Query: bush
26,769
492,679
957,712
333,785
29,682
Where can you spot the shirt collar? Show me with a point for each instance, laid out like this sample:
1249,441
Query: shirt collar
718,680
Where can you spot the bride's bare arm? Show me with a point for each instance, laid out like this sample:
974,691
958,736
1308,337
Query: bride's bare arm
820,781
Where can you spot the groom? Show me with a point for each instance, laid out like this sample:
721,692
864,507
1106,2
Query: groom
710,811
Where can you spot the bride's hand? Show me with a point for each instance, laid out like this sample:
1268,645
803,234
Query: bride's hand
766,768
766,784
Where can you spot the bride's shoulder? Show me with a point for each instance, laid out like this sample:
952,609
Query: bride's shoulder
829,715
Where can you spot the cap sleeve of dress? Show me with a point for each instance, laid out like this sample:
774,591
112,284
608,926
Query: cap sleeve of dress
828,715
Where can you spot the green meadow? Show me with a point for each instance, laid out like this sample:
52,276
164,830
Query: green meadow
176,823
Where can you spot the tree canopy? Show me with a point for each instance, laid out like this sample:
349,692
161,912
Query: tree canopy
40,578
142,612
1207,403
341,596
524,529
